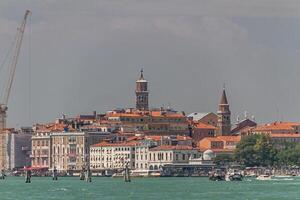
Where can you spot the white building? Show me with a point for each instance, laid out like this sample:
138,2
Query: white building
167,155
112,156
142,155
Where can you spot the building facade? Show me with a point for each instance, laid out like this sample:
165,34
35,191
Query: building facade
157,122
15,148
201,130
62,148
169,155
112,156
219,144
205,118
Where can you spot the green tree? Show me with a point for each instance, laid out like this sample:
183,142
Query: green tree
223,159
255,150
290,155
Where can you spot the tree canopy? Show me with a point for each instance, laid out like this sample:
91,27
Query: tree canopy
256,150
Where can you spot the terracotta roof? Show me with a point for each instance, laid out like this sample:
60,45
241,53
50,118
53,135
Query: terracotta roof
135,138
160,114
230,138
181,137
201,125
214,139
223,138
118,144
284,135
275,126
124,115
153,137
169,147
54,127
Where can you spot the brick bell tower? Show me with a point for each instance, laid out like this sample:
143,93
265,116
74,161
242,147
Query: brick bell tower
142,93
224,122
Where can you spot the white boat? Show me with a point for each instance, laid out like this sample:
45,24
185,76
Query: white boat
234,175
264,177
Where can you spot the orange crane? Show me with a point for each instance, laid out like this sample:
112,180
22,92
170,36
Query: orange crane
8,85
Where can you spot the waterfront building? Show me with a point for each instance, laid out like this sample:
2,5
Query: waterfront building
166,155
205,118
64,148
141,156
142,93
224,115
41,155
15,148
112,156
200,166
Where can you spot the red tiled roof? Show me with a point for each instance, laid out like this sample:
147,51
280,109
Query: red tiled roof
230,138
169,147
284,135
201,125
286,126
118,144
181,137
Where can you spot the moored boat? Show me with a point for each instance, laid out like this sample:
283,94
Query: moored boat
264,177
234,175
217,175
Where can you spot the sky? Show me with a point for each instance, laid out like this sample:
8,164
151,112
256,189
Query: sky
80,56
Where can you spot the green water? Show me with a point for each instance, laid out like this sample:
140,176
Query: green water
148,188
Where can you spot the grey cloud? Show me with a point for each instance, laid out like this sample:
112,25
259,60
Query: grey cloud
86,56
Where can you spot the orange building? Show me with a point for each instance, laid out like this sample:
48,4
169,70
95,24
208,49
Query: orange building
157,122
277,128
219,144
201,130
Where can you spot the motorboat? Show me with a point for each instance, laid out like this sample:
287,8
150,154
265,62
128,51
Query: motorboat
234,175
217,175
264,177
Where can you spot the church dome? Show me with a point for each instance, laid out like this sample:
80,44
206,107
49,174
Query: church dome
208,155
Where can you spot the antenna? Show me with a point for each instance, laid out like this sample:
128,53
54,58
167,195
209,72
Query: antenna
246,114
169,106
238,119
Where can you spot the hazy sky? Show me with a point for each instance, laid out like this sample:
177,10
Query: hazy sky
86,55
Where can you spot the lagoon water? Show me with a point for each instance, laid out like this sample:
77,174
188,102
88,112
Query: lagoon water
70,188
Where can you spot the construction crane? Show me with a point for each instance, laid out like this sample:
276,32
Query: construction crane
8,85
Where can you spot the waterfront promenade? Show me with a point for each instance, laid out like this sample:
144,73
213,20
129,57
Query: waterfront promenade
68,188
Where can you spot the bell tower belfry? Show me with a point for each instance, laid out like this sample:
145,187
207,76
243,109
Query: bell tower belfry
142,93
224,122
